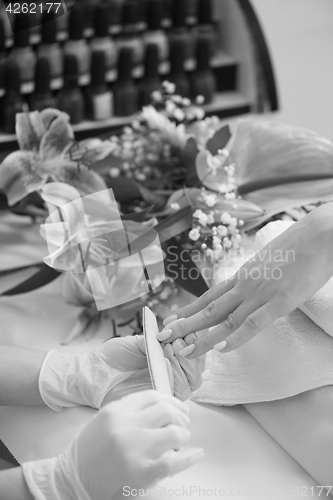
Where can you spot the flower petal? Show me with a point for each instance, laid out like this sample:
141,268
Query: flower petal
85,180
48,115
29,129
19,175
56,138
95,149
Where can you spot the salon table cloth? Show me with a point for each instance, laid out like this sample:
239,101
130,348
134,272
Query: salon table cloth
241,459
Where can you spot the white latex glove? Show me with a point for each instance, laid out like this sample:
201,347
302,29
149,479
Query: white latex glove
112,370
128,443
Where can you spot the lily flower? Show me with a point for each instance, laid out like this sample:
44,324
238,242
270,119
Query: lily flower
48,151
88,240
277,166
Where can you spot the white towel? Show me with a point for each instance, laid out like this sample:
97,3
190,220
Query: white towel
289,357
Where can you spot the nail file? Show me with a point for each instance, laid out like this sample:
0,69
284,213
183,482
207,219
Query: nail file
155,357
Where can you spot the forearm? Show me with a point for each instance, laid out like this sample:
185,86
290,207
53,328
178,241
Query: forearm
19,372
13,485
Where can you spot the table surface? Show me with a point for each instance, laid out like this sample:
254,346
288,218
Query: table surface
241,459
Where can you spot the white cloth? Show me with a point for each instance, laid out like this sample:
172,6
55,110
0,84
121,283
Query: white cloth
291,356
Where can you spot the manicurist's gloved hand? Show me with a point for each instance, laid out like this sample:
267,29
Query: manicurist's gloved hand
112,370
129,444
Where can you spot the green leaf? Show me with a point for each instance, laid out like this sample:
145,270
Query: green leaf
180,267
219,140
44,276
174,224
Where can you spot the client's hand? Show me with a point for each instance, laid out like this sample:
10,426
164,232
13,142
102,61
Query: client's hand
112,370
129,444
282,276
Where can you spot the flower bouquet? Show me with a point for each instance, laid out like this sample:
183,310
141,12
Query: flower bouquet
147,215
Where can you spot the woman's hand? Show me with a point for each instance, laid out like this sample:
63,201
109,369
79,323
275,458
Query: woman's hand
282,276
129,444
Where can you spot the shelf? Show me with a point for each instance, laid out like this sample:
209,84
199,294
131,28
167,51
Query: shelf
224,105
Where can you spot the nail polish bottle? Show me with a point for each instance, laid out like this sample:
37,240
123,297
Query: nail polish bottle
167,13
22,53
76,45
70,97
99,97
203,80
151,80
102,41
191,11
206,26
126,98
2,55
42,97
130,35
179,30
49,48
12,102
154,33
116,13
177,74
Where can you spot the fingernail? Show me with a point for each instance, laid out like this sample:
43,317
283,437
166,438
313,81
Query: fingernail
187,350
222,345
164,335
170,319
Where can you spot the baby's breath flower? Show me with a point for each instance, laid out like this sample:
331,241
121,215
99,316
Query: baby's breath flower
156,95
179,114
169,87
114,172
175,206
200,100
222,231
225,218
194,234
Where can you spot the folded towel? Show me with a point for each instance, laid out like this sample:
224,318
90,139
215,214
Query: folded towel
291,356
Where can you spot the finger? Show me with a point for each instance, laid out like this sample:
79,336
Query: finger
211,315
199,304
218,335
168,438
175,462
191,367
253,324
182,388
163,414
141,400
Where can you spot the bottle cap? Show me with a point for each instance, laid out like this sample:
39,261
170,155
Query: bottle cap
151,61
177,57
70,72
97,68
154,14
130,13
42,76
12,78
102,20
205,15
21,30
203,54
179,13
49,27
76,23
2,37
125,65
